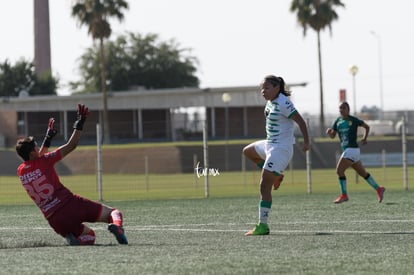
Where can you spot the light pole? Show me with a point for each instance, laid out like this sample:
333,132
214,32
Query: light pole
226,97
378,37
353,70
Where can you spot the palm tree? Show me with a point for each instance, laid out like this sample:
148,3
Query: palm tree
95,14
316,14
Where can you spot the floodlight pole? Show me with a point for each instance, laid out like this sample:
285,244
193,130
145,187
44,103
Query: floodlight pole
353,70
99,161
226,97
309,164
404,153
205,151
378,37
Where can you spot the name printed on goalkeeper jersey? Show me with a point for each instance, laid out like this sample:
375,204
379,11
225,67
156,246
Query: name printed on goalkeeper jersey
30,176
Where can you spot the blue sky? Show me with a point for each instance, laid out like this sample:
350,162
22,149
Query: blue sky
239,41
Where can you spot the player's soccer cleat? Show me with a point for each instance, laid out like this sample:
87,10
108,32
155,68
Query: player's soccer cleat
259,229
72,240
342,198
118,232
380,193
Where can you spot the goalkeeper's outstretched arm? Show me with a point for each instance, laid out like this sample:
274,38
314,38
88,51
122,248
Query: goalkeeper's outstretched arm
50,133
73,141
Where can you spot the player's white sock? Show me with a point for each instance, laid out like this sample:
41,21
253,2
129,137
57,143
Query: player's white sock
264,210
116,217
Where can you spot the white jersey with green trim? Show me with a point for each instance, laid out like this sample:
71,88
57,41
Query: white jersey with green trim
279,125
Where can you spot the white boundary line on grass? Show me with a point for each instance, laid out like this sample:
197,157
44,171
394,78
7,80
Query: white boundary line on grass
196,227
275,232
158,226
283,223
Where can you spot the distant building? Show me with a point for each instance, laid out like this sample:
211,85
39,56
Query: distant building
141,115
163,115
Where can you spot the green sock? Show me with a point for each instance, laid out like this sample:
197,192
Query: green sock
264,209
260,164
342,185
371,181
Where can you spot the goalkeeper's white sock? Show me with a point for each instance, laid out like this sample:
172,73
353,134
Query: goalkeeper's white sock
116,217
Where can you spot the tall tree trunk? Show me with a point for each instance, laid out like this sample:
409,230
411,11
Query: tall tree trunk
322,114
42,60
107,138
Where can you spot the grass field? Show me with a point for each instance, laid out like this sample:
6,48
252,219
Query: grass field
193,235
309,235
122,187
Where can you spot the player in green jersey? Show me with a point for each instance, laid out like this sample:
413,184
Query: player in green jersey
346,126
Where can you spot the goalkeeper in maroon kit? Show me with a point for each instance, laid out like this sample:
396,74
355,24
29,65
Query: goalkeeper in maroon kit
66,212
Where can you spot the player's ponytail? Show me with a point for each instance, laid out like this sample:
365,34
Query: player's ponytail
277,80
283,87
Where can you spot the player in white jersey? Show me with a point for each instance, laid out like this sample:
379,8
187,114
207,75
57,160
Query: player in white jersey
274,154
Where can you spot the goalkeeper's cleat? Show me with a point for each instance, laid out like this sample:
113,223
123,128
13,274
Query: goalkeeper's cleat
380,193
342,198
259,229
72,240
118,232
87,239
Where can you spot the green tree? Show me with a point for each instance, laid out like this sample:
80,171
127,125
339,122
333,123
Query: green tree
95,15
317,14
22,77
45,84
134,60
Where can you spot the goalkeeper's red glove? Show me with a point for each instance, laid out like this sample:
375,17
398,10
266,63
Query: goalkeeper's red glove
50,133
82,114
